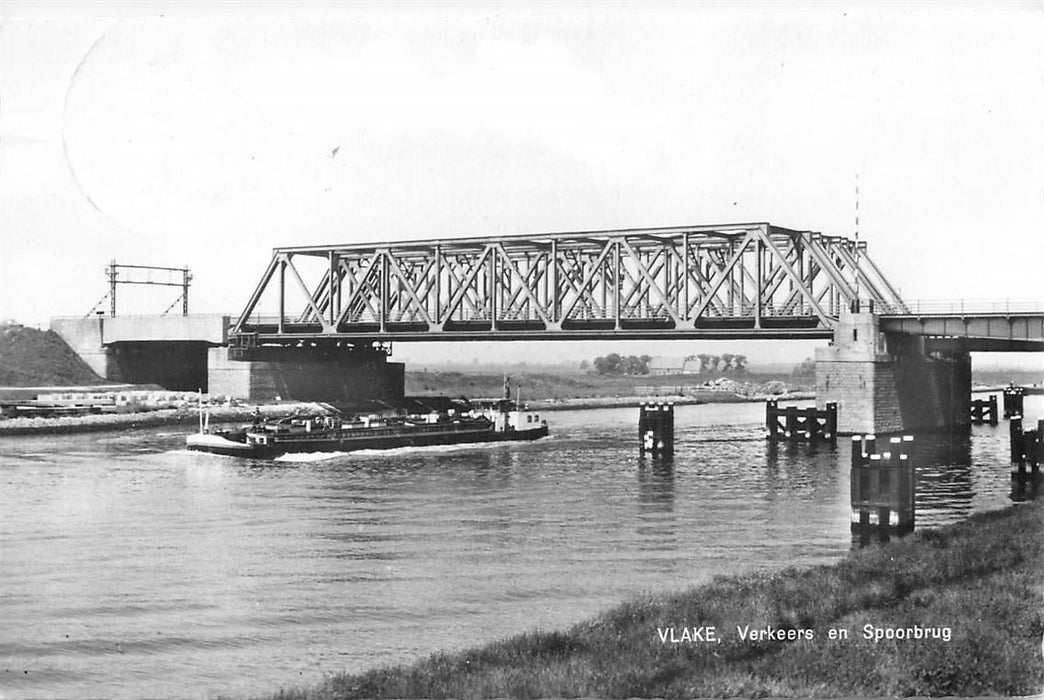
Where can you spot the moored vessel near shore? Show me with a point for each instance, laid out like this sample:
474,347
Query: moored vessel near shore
333,431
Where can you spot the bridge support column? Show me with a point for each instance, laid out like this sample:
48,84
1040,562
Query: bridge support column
887,383
337,376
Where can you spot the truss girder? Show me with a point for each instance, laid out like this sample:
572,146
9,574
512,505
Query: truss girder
736,276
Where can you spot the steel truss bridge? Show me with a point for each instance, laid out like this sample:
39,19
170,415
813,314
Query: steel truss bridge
714,282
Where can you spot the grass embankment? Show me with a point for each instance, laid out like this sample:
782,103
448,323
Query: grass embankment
31,357
983,578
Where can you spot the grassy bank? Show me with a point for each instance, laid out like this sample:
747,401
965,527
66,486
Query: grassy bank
563,386
982,578
31,357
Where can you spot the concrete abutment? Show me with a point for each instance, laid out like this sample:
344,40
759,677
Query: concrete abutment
888,383
188,353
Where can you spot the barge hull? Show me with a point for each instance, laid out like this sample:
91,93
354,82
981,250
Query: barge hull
302,444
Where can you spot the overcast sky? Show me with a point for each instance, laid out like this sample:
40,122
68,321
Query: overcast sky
208,140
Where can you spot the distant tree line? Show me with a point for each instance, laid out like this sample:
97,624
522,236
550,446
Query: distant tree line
725,362
614,363
617,364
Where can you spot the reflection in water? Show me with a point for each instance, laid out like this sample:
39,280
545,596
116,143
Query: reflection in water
657,525
656,485
883,498
807,470
1024,486
943,448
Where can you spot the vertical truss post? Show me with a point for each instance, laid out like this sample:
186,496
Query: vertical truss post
385,290
554,281
282,293
331,311
759,255
732,280
742,271
800,273
685,265
337,295
616,285
546,276
438,286
668,299
810,285
493,287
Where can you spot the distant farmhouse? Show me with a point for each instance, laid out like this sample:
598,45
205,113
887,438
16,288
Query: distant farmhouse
674,365
698,364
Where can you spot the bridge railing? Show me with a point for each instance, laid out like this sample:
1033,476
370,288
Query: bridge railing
961,307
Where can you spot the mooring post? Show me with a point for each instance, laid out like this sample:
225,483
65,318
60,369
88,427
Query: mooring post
1013,401
895,448
884,512
790,413
643,429
883,486
669,447
857,451
811,424
908,444
1015,438
907,494
656,429
1030,449
1038,445
772,418
798,424
993,409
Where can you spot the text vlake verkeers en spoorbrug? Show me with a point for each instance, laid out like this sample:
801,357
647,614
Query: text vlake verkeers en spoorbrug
869,632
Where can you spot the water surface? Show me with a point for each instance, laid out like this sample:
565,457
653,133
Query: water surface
132,567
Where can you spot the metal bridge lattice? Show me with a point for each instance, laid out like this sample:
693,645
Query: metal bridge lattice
727,281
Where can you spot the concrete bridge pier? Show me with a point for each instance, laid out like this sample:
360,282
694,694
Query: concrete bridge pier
888,382
335,375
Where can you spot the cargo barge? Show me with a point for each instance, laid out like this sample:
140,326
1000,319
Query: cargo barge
333,431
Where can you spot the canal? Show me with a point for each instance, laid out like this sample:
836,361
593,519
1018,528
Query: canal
132,567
